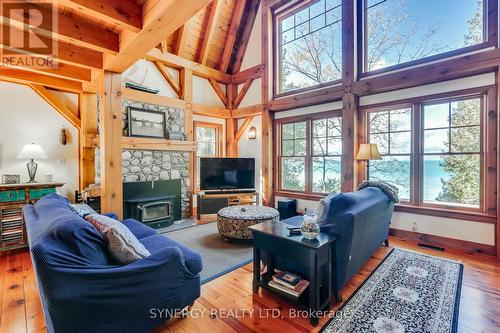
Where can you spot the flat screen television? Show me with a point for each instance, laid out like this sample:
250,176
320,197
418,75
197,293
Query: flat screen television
227,173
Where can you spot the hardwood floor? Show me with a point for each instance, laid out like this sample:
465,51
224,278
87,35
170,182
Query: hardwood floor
227,304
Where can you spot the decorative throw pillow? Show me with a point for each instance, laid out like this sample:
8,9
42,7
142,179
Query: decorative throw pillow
123,245
323,209
320,210
82,209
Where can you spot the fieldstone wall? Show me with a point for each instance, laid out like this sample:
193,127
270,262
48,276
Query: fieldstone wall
146,165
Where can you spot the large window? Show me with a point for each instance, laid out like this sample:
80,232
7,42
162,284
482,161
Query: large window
309,155
445,165
403,31
309,40
208,139
391,131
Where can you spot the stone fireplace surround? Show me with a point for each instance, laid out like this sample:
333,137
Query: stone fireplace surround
147,165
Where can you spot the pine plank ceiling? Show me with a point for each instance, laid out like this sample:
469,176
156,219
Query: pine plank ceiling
112,34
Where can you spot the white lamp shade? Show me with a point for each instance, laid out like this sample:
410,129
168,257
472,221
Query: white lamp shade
368,151
32,151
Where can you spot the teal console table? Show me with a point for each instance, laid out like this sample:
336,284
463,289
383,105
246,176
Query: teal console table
12,199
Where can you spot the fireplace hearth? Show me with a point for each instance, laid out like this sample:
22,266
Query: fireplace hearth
155,203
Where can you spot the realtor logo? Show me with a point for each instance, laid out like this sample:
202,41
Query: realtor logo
26,33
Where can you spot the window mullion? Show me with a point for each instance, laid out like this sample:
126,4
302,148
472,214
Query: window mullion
416,155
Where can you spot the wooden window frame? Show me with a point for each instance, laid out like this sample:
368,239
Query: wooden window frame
487,210
218,147
490,25
307,194
277,14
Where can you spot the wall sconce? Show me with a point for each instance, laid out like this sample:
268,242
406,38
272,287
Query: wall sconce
252,133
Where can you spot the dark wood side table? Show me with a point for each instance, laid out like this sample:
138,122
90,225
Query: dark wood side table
274,238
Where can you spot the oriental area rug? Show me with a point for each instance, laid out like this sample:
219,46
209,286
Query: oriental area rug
408,292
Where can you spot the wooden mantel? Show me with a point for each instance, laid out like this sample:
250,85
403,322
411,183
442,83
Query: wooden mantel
129,142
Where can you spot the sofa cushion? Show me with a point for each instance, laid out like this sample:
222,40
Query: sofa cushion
82,209
123,245
58,235
157,242
140,230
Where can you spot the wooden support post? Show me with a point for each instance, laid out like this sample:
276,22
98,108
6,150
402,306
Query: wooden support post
231,124
267,122
110,143
349,101
186,82
88,116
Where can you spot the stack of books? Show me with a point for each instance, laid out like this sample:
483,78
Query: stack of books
289,283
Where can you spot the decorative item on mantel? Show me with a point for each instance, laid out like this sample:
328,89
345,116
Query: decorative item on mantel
30,152
146,123
140,86
11,179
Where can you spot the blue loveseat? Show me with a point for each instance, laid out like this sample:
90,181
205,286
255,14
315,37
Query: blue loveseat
361,221
84,290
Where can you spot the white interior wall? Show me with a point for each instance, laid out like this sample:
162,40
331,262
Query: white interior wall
253,95
253,54
25,118
253,148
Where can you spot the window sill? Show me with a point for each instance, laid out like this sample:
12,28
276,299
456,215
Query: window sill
406,208
444,212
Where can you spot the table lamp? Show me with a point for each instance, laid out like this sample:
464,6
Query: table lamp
368,152
32,152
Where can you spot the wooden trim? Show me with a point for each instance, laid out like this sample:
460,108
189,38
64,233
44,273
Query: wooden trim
60,70
299,195
242,93
444,242
218,90
124,13
463,66
175,61
231,36
141,96
231,143
160,19
244,34
444,212
315,97
243,128
130,142
497,227
55,103
207,36
253,110
254,72
218,151
110,144
166,75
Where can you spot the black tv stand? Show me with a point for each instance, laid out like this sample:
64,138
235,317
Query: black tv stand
210,202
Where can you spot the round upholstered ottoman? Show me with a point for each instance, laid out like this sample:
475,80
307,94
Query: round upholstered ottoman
233,222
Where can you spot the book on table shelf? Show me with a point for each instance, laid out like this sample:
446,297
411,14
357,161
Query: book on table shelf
289,283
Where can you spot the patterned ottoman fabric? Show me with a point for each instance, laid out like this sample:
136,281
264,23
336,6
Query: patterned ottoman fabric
233,222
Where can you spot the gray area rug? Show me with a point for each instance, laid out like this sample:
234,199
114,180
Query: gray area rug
219,257
407,292
181,224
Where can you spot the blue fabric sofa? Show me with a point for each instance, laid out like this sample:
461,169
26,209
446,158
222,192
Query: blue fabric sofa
361,221
84,290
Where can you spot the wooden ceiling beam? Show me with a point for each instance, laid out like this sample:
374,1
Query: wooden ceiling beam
231,37
253,110
219,92
211,111
63,71
69,30
126,14
172,60
181,37
242,93
243,36
66,53
59,106
250,73
166,75
161,18
209,31
26,77
243,128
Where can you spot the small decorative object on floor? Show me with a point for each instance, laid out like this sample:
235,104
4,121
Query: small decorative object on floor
32,152
408,292
310,228
11,179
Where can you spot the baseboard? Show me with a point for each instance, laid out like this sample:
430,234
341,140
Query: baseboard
444,242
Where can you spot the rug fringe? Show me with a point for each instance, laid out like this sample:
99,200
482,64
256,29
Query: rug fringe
430,255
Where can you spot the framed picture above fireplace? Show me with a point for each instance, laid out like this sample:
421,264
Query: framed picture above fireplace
146,123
